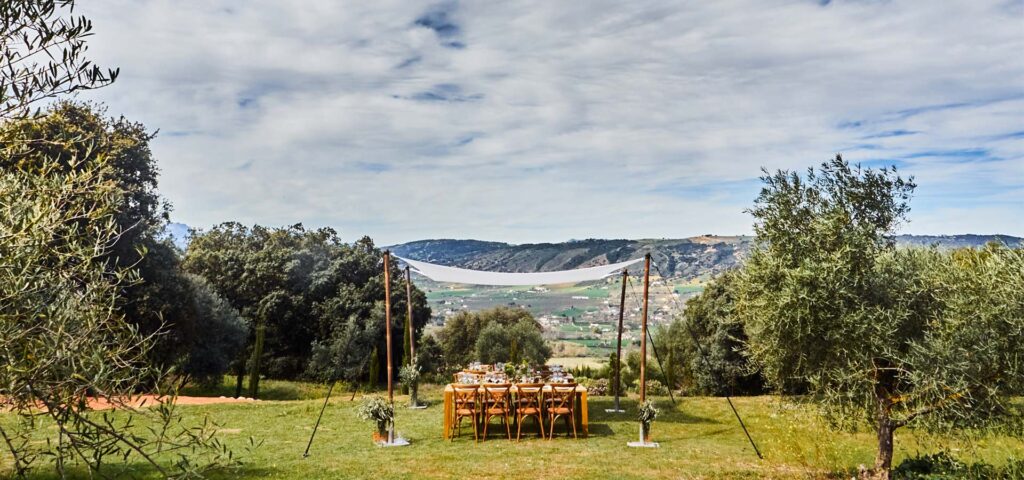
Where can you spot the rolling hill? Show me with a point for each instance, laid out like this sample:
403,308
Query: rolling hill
687,258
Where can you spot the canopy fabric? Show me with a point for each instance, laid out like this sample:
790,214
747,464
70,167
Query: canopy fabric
441,273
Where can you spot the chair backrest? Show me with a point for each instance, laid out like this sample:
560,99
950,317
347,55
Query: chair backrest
529,394
497,394
465,394
563,395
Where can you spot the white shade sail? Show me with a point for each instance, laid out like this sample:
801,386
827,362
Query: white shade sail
441,273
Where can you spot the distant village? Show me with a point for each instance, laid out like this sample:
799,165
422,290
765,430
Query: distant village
577,324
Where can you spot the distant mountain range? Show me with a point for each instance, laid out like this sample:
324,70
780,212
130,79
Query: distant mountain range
688,258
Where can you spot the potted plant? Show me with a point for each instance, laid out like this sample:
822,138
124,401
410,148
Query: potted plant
410,377
376,409
646,415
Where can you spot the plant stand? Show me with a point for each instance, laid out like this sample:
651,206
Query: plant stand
391,441
617,408
644,441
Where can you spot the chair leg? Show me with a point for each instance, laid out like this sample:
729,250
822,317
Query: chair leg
572,420
508,430
540,422
519,427
487,421
551,434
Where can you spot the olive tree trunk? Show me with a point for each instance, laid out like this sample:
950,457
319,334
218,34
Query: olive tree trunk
883,459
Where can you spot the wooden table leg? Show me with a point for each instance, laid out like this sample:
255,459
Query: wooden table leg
449,414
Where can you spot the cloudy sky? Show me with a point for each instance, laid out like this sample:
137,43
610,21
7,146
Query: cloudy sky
551,120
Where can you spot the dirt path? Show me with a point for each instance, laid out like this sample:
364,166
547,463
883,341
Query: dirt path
144,401
150,400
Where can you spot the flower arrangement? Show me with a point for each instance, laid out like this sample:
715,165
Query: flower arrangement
410,377
377,409
646,415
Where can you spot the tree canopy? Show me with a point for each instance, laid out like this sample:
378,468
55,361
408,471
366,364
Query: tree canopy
830,304
710,321
458,339
309,289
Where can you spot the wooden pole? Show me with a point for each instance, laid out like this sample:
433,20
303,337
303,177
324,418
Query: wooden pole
618,346
408,303
643,328
387,322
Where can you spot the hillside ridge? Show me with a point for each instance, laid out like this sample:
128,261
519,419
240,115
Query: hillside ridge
688,258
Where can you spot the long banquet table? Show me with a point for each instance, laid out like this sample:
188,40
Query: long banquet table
449,407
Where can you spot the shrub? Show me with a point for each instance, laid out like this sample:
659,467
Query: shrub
654,387
598,387
943,466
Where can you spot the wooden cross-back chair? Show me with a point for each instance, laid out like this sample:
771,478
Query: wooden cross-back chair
562,403
529,400
465,397
496,404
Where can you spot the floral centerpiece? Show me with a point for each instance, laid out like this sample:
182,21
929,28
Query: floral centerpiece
646,416
377,409
410,377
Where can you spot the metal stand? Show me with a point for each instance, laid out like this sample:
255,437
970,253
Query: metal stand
392,441
643,443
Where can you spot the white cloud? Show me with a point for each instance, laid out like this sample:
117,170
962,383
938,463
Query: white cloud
534,121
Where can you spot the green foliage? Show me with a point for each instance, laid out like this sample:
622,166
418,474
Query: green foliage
631,372
521,341
609,373
459,336
319,298
256,361
409,375
892,336
944,466
71,137
44,54
377,409
598,387
647,413
222,334
710,319
654,387
62,339
430,359
374,368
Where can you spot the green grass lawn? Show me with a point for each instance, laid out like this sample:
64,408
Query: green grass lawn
699,439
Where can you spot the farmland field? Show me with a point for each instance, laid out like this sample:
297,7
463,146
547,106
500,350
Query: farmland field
580,307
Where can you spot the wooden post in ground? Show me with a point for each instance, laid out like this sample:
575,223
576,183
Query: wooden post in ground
643,328
408,302
387,323
618,345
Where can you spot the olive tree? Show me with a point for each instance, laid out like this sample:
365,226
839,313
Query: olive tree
43,54
62,339
872,333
